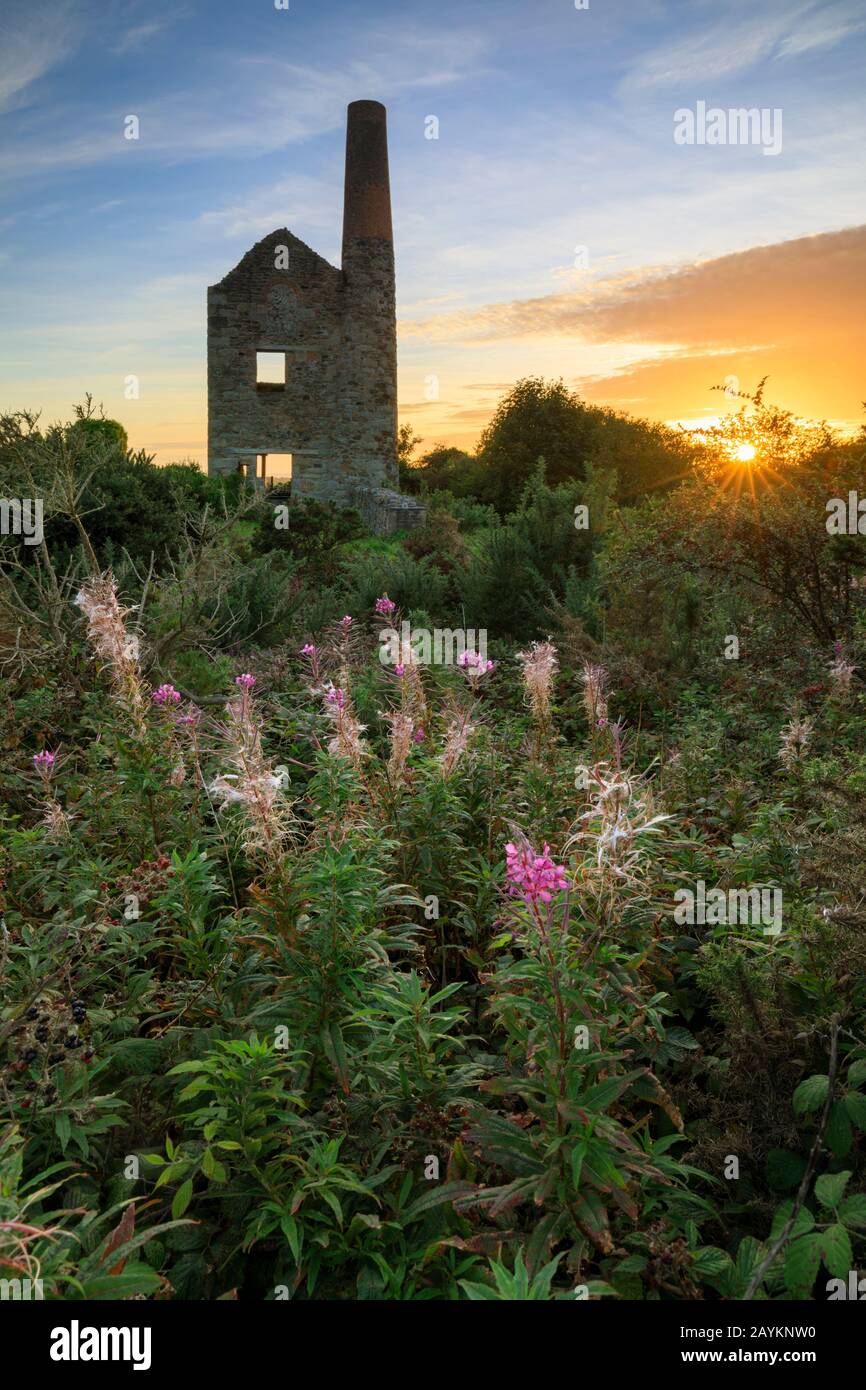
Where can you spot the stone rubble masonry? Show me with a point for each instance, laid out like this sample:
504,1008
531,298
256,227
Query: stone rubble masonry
337,412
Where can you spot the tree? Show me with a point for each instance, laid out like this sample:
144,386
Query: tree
536,420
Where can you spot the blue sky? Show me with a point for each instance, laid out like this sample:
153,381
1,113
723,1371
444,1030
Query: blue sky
555,131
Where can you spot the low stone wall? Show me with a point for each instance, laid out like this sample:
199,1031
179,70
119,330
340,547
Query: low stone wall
386,511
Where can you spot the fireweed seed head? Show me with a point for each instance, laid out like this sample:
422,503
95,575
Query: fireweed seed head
112,642
246,681
166,695
595,685
540,663
795,738
384,605
402,731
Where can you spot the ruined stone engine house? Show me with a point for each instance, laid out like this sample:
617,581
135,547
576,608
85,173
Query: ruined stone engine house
302,357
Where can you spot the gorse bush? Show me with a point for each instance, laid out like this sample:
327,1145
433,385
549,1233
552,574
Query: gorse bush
326,979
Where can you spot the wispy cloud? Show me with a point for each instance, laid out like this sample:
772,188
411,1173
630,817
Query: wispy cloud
744,37
274,103
34,38
139,35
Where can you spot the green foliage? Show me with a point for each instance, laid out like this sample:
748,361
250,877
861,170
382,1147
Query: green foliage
342,1060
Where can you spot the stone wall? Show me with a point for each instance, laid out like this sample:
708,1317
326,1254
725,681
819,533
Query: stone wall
296,309
336,329
386,511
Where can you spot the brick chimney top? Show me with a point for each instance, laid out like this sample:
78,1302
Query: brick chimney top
367,200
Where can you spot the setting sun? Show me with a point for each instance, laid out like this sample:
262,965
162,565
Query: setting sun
744,453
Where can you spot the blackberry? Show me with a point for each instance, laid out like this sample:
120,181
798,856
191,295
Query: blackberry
28,1054
56,1057
41,1034
32,1012
72,1042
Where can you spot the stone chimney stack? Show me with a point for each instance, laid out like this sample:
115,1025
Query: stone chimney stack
369,345
367,198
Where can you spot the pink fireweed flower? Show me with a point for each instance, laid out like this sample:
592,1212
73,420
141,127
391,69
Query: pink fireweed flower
346,622
533,877
308,649
474,667
166,695
418,736
246,680
399,669
385,606
336,696
54,818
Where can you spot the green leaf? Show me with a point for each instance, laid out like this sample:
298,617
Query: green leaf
840,1135
711,1261
802,1258
437,1197
63,1129
836,1251
857,1071
853,1211
478,1292
810,1094
182,1199
289,1227
830,1187
335,1051
803,1222
855,1105
601,1097
784,1169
